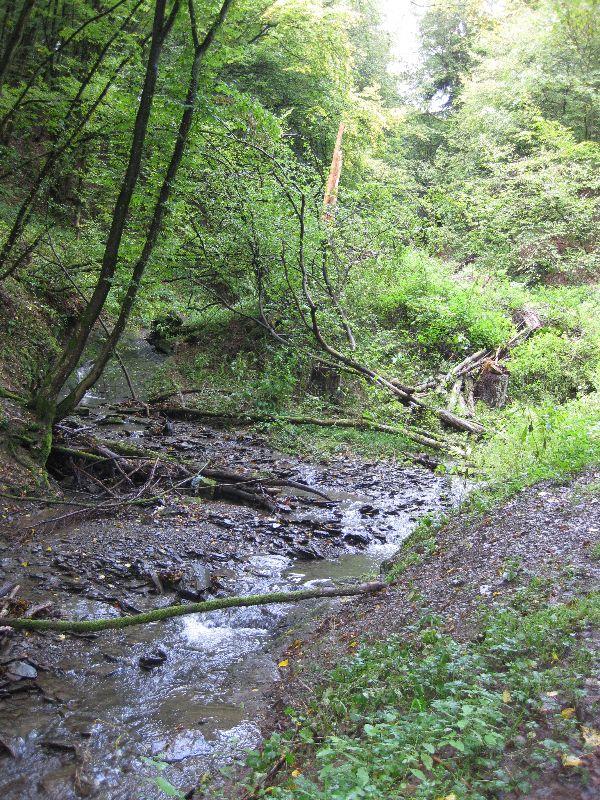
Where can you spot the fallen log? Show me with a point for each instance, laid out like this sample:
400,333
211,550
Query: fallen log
159,614
428,440
476,360
214,473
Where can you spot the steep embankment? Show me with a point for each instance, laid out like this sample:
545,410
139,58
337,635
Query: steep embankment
474,676
31,326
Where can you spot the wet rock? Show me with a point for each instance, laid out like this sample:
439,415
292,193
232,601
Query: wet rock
219,557
103,670
74,586
368,510
194,582
222,523
10,746
308,552
153,659
58,744
357,537
184,446
21,669
186,745
193,553
111,419
58,784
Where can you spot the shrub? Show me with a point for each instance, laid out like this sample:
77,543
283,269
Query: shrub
421,295
550,364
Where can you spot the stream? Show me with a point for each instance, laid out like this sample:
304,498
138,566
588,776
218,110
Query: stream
82,716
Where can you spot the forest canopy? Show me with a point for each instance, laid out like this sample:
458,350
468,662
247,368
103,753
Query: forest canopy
171,158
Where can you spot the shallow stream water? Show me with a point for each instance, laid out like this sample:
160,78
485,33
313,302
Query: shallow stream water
93,717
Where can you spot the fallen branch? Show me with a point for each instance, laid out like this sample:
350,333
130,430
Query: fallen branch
428,440
214,473
247,488
159,614
476,360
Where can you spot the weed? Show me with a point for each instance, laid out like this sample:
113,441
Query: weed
595,552
432,717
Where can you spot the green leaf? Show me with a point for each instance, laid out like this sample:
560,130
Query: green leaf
165,786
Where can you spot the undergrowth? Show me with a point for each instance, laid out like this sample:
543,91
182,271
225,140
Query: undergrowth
426,716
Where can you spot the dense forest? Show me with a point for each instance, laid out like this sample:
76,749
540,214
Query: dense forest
350,257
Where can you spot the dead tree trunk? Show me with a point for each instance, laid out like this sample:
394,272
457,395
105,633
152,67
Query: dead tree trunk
159,614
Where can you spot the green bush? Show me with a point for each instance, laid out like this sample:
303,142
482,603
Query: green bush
548,442
550,364
421,296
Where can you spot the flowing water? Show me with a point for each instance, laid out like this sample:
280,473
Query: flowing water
94,718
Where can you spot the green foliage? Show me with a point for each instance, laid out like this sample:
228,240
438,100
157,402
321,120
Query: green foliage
448,46
159,781
421,296
551,364
516,182
547,442
432,717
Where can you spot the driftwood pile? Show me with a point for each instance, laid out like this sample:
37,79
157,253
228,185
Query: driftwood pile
482,374
117,474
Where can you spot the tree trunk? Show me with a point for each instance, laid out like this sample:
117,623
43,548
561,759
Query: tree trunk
14,39
200,49
45,402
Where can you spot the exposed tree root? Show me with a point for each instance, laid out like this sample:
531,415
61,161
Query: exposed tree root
158,614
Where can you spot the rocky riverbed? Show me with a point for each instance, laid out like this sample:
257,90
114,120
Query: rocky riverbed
80,716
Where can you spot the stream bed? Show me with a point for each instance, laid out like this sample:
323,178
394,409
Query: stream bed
80,716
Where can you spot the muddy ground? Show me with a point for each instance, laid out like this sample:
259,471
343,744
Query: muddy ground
80,715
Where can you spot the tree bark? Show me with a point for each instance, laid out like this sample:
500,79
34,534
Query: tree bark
45,403
200,50
14,39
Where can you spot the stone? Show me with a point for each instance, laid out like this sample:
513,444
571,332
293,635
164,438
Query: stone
308,553
356,537
153,659
194,582
21,669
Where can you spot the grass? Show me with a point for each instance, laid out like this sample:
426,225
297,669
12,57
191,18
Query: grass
530,445
426,716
